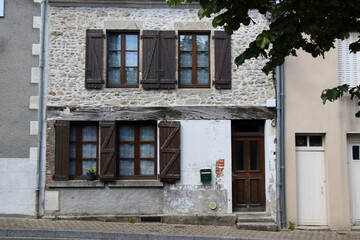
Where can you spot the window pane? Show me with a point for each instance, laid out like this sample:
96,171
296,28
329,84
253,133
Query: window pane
126,150
315,141
147,150
202,59
126,133
89,133
131,59
72,167
240,155
186,59
114,75
114,59
72,133
114,42
126,167
185,76
147,133
254,156
86,164
355,152
202,42
131,42
202,75
185,42
89,150
301,141
147,167
131,75
72,150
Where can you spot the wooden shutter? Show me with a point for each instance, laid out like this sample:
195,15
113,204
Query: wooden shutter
62,129
222,60
94,59
159,59
169,151
150,59
107,151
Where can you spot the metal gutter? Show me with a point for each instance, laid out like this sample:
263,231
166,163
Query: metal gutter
41,109
280,153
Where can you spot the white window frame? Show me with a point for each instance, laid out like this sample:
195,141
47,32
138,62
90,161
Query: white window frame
349,63
2,7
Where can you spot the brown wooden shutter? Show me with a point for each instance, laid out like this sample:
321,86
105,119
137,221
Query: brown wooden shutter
159,60
169,151
62,129
107,151
222,60
94,64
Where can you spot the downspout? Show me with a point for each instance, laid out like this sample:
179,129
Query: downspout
280,157
40,110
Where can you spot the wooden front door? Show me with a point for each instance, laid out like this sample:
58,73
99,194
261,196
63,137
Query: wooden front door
248,174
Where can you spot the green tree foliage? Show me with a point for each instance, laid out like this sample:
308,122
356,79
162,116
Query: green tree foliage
310,25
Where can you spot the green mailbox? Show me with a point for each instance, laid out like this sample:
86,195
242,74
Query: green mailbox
205,175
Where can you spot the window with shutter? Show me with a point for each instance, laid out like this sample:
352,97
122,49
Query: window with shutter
123,62
169,151
159,59
222,60
194,60
349,63
94,59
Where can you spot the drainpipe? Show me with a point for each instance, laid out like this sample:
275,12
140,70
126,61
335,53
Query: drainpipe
40,110
280,157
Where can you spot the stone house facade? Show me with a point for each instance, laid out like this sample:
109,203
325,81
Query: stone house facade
149,97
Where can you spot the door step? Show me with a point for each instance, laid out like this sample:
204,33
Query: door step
255,221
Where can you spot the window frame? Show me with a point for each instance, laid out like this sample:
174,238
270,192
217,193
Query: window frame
194,67
309,147
78,159
122,51
2,8
136,141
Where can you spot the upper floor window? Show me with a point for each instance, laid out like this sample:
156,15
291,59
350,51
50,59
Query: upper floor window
2,8
349,63
122,55
194,60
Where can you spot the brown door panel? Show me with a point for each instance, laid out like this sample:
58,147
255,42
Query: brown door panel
248,174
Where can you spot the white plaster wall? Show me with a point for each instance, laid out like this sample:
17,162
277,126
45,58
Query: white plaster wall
270,168
202,143
17,186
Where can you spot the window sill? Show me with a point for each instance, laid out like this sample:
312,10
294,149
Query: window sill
136,184
76,184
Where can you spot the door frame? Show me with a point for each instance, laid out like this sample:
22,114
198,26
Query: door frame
350,143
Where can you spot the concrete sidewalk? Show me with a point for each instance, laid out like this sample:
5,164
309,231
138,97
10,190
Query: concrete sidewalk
11,227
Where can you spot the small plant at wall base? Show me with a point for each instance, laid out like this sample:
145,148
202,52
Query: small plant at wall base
90,174
291,225
132,220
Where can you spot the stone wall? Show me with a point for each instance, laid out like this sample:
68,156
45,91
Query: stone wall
66,60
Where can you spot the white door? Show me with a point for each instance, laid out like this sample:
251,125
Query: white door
354,175
310,170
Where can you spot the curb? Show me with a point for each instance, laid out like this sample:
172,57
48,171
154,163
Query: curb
91,234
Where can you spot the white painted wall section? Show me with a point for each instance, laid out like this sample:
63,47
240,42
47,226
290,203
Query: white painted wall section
270,167
203,142
17,186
